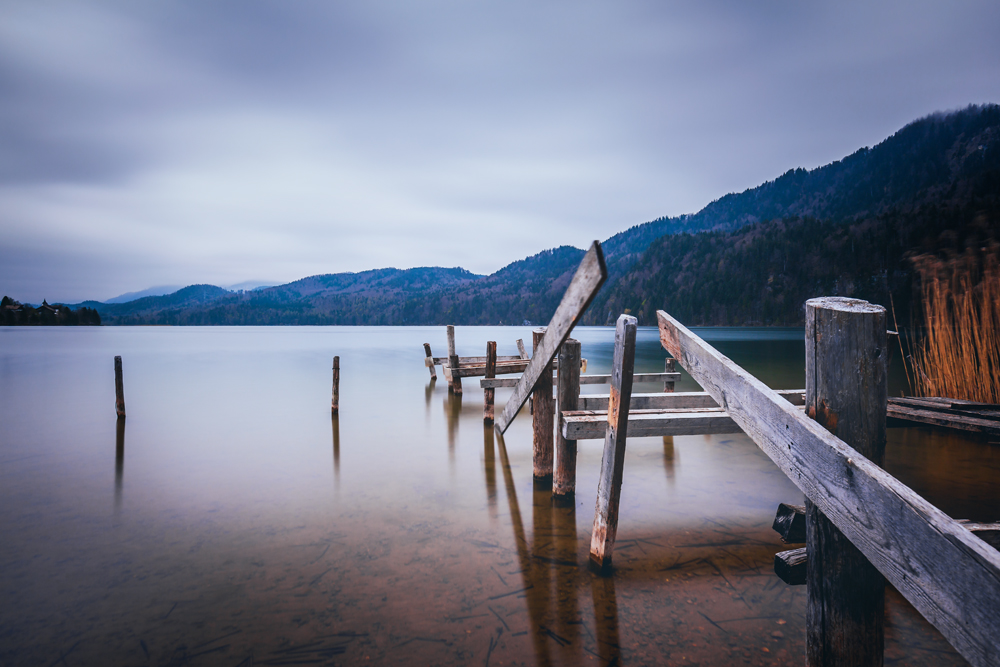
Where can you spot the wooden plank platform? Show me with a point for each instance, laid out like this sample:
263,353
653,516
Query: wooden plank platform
587,379
947,413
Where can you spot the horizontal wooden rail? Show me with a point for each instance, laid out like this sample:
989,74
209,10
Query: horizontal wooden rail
686,399
591,424
443,361
948,574
588,379
479,370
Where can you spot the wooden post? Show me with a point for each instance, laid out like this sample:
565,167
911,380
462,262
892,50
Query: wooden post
846,392
543,418
564,474
335,400
520,349
119,389
609,484
669,366
455,386
429,361
489,392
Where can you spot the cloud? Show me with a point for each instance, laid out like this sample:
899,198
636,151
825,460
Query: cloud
216,142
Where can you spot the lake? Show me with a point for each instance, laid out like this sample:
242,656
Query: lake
233,522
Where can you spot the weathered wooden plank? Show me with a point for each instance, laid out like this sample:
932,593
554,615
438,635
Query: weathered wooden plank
943,419
119,389
454,381
592,425
498,383
791,566
676,400
587,280
462,361
479,370
430,361
564,463
948,574
520,349
790,523
638,377
609,483
543,418
491,371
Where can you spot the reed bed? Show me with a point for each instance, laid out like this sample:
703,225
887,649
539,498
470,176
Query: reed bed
958,355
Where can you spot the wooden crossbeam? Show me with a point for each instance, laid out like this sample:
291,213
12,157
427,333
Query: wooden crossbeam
443,361
587,280
948,574
676,400
588,379
479,370
592,424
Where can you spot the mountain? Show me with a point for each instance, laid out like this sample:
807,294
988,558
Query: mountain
152,291
846,228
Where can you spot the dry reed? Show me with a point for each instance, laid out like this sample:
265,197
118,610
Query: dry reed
958,355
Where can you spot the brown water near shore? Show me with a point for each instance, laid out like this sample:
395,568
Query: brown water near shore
232,522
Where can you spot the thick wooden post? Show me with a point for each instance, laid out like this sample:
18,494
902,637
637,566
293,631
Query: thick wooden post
846,392
455,386
609,484
669,366
543,419
564,474
491,372
119,389
429,361
335,400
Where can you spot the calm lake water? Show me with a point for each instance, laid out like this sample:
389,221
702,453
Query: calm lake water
232,522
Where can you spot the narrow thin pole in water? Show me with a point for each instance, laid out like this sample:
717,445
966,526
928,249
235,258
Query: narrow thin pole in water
335,401
491,372
119,389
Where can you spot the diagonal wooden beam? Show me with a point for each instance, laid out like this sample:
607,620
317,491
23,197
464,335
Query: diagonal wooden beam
948,574
588,279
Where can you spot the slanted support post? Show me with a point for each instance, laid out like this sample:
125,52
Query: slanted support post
543,417
455,386
429,361
564,473
846,392
119,389
609,484
491,372
335,399
669,366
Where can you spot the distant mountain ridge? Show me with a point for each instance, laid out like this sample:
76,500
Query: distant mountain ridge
749,257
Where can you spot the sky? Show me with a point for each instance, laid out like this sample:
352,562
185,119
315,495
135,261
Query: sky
174,143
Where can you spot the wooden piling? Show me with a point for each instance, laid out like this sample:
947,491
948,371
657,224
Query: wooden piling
846,392
564,470
669,366
335,400
609,484
455,385
542,422
491,372
119,389
429,361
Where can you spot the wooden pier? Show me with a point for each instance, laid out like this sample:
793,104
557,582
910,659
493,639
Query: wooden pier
861,526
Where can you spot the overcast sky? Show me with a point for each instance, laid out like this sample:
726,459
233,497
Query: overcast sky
149,143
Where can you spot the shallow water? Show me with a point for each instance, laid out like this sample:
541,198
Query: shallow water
231,521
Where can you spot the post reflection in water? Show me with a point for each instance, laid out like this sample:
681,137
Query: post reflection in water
490,469
453,411
119,461
669,458
428,394
335,421
553,578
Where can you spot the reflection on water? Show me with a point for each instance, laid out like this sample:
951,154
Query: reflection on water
424,543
